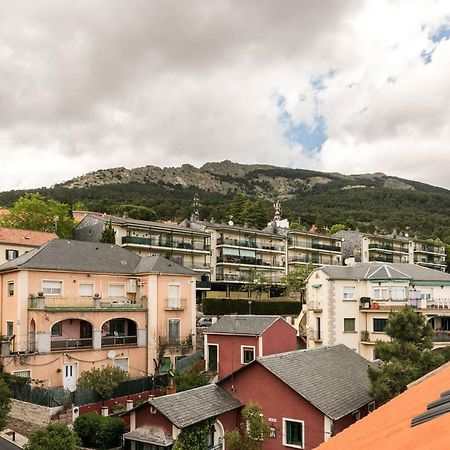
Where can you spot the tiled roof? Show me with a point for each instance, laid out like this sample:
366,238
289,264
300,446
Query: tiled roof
380,270
389,427
150,435
334,379
71,255
25,237
251,325
192,406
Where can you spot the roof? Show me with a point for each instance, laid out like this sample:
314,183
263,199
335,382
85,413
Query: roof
195,405
389,427
334,379
252,325
150,435
385,271
25,237
81,256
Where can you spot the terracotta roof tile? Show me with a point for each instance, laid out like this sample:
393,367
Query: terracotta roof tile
25,237
389,427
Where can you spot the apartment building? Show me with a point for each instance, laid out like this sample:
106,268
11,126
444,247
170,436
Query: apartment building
393,248
187,247
15,242
69,306
351,305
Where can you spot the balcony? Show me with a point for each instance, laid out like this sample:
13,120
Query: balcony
176,342
167,243
245,260
331,248
314,245
441,336
384,258
242,278
59,344
201,267
203,284
314,306
389,247
118,341
250,244
313,259
57,303
175,304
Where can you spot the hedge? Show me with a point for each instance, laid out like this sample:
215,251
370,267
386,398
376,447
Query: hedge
221,306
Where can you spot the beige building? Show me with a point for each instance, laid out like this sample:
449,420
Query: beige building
187,247
351,305
70,306
15,242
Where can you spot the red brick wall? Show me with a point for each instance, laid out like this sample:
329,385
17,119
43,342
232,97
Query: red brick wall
277,401
279,338
145,417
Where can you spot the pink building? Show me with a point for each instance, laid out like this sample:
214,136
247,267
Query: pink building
235,341
69,306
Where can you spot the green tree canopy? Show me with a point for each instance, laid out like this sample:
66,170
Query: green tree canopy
5,403
191,379
337,227
138,212
295,279
406,357
256,282
34,212
108,234
102,380
53,437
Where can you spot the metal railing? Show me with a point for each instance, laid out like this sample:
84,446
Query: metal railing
57,344
244,278
441,336
250,244
165,242
390,247
113,341
315,245
175,304
57,302
247,260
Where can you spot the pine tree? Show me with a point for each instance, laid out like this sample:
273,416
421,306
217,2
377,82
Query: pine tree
108,234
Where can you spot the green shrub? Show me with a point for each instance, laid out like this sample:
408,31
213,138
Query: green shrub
219,307
53,437
111,431
87,427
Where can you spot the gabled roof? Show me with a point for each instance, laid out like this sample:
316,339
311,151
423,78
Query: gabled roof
334,379
251,325
389,427
386,271
25,237
81,256
195,405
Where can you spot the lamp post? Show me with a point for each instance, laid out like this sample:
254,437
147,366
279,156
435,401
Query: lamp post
249,307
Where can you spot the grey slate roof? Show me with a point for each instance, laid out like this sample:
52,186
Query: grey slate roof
150,435
192,406
251,325
334,379
380,270
71,255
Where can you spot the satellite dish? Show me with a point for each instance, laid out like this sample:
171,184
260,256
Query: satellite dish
111,354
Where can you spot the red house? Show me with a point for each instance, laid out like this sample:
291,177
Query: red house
235,341
306,396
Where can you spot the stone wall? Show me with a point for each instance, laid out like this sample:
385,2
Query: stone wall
31,413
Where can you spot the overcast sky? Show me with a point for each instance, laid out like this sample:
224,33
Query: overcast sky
347,86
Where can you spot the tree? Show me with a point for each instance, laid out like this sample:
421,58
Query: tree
194,437
34,212
53,437
254,430
407,357
102,380
295,279
108,234
256,282
5,403
191,379
136,212
337,227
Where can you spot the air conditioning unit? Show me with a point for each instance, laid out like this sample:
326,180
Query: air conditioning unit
131,285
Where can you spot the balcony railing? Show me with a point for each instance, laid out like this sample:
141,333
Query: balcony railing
332,248
176,342
250,244
313,259
389,247
197,266
441,336
175,304
244,277
316,245
58,344
203,284
384,258
248,260
171,243
107,303
114,341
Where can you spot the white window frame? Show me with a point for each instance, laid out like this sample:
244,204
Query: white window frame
117,363
90,283
349,293
19,373
247,347
12,250
397,289
380,296
286,419
10,283
207,355
52,294
174,302
117,283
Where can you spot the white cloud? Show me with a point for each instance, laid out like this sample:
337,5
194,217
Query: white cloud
87,85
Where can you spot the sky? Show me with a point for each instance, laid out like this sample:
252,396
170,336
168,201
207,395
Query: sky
337,86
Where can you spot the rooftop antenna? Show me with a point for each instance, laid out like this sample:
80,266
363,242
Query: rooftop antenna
196,205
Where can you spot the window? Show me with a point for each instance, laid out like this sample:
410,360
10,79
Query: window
166,363
293,433
86,289
22,373
117,290
174,296
380,293
10,288
52,287
398,293
348,293
318,329
9,329
11,254
121,363
57,329
174,331
349,325
379,325
247,354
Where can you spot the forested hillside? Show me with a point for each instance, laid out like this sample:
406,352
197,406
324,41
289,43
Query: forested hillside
370,202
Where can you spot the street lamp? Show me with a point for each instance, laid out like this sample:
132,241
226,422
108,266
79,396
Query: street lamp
249,307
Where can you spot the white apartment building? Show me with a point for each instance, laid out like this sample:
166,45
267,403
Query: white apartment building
351,304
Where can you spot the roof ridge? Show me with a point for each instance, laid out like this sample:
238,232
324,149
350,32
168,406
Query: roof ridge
263,358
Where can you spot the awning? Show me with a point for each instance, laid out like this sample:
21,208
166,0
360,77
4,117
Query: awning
150,435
